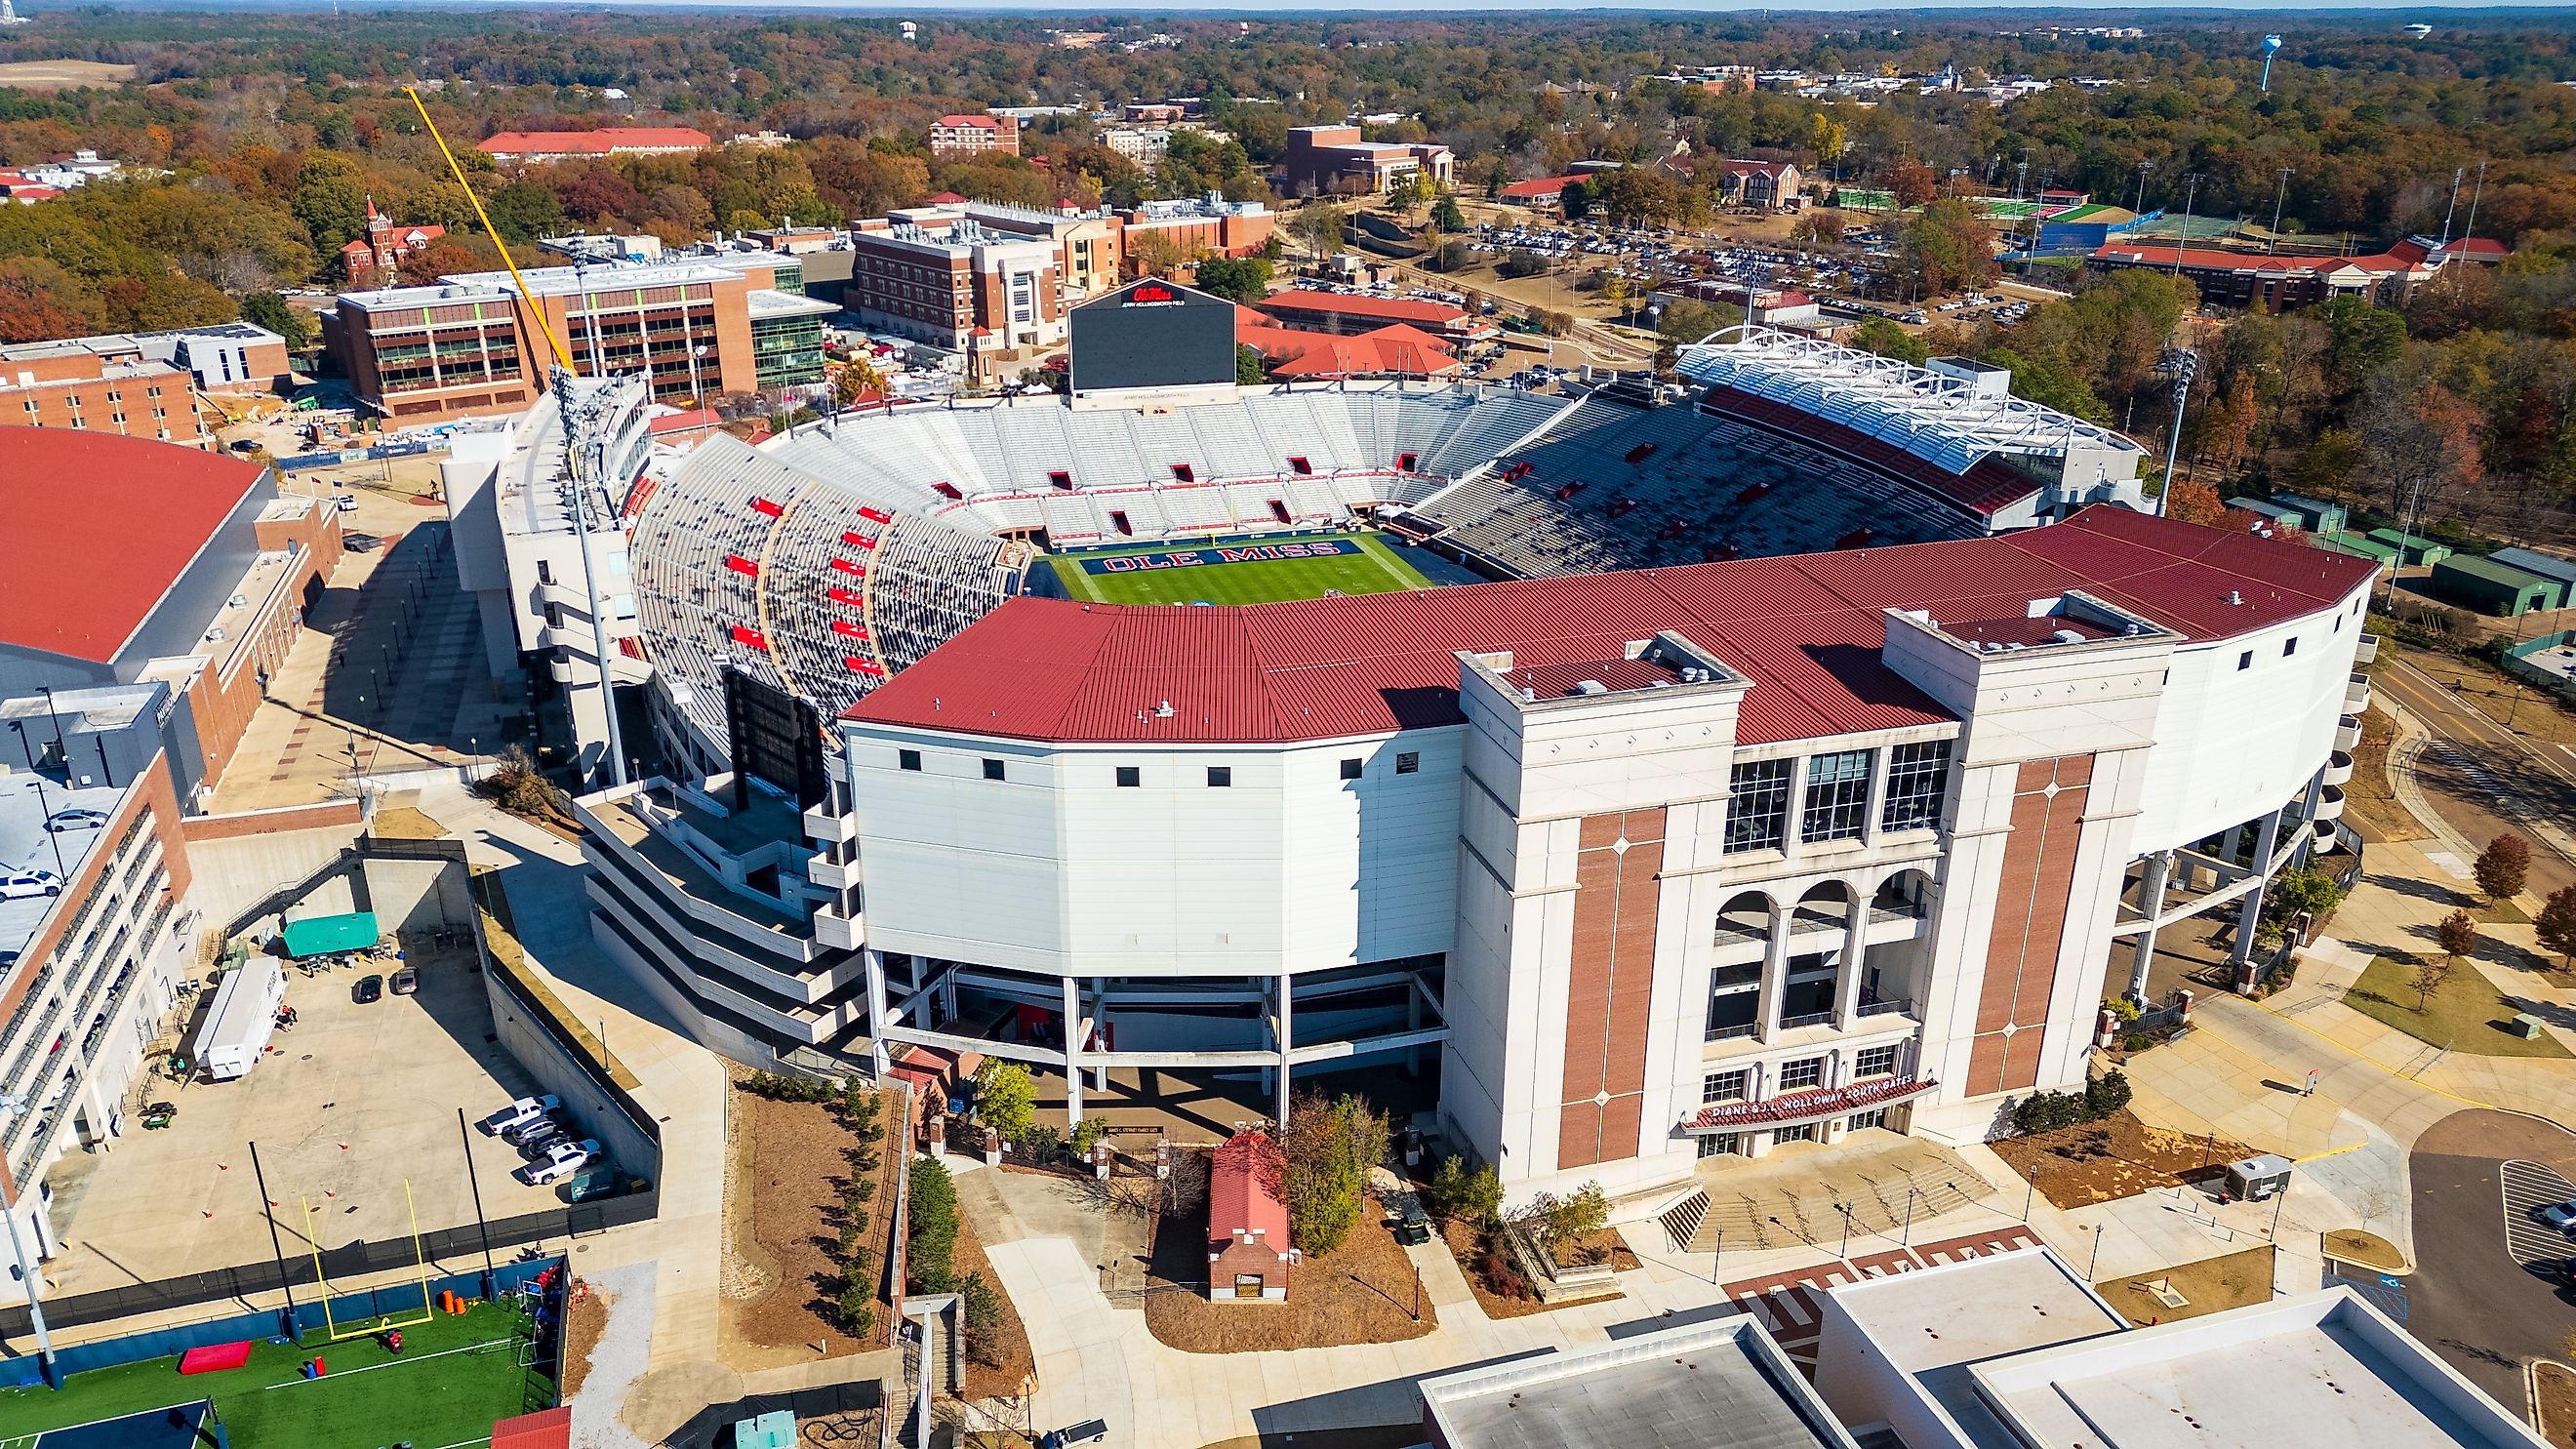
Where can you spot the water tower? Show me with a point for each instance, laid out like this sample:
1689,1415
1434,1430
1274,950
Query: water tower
2271,48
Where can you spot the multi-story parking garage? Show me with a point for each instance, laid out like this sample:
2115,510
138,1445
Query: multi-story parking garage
1631,867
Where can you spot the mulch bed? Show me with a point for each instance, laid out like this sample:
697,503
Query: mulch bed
2556,1404
1361,1292
2369,1249
1463,1246
795,1176
2114,1158
584,1321
2212,1285
1014,1368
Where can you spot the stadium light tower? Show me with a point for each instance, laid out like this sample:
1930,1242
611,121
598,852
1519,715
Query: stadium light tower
12,1106
2182,364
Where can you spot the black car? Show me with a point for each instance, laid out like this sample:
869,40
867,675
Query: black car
368,989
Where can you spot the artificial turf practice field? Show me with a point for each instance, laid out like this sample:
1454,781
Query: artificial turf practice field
1374,568
454,1377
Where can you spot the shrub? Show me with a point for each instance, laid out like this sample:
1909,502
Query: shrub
864,1190
2306,889
1006,1098
781,1087
1329,1148
2136,1042
932,1234
2124,1011
857,1308
1087,1134
983,1312
2105,1094
1041,1143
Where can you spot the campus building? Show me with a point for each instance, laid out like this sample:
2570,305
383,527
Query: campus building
468,344
1333,161
2273,282
970,135
606,141
138,384
957,282
209,573
87,973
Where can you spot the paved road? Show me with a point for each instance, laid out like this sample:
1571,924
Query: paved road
2484,1294
2484,779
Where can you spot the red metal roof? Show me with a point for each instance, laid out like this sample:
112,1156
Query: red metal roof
1543,186
1393,309
1243,1191
544,1429
95,528
1807,631
593,143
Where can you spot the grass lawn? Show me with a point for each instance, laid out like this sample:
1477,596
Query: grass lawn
2209,1286
2466,1015
1375,569
455,1376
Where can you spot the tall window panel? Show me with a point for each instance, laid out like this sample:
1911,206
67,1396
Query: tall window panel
1918,777
1837,797
1758,817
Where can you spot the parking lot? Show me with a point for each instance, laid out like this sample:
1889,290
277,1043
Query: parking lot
2488,1293
352,1101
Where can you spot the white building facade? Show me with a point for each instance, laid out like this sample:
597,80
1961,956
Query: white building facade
1654,866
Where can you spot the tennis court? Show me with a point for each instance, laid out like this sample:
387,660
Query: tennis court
1361,564
454,1377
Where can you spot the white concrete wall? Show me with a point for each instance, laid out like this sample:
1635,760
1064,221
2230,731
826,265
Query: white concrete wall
1058,869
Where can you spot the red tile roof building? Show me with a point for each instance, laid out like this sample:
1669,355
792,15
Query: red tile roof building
1352,314
606,141
968,135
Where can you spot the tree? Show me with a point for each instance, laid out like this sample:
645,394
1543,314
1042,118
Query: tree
1329,1147
330,199
857,380
1321,226
2504,867
1910,182
1237,279
1446,215
930,1237
2106,1094
2194,503
1817,228
157,303
2048,380
269,310
2422,436
1248,369
1475,1198
2428,976
1006,1098
1410,193
2557,924
40,301
524,211
2305,891
2458,933
1948,246
1520,264
1575,200
1456,256
1885,338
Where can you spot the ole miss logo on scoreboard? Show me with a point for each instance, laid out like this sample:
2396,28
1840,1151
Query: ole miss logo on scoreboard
1247,553
1151,294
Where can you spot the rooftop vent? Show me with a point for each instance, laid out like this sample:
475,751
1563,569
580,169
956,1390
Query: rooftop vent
1591,686
1163,710
2234,597
2067,636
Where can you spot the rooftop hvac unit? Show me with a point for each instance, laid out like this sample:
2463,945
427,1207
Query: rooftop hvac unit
1591,686
1164,710
2067,636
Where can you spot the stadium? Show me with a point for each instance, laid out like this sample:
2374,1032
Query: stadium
1633,775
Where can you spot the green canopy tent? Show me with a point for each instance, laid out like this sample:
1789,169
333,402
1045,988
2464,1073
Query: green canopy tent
331,935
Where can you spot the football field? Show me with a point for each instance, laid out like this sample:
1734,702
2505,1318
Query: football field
1158,575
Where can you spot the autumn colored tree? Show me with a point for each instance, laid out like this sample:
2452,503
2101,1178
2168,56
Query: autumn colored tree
40,301
2431,974
2504,867
2458,933
2194,503
2556,924
1910,182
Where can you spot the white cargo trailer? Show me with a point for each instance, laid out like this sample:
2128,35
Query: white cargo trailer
238,1024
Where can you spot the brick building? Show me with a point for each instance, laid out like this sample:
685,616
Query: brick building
1333,160
140,385
376,255
467,344
964,135
967,285
606,141
1248,1252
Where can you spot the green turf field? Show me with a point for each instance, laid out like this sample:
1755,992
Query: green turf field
1377,569
455,1376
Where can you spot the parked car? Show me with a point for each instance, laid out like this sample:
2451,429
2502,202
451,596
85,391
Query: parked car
62,821
562,1160
522,1133
538,1138
345,502
20,884
2559,1215
597,1179
405,982
522,1110
370,988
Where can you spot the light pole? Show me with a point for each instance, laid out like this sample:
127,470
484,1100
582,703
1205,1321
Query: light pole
1844,1250
1906,1238
2095,1262
13,1106
2191,194
2143,168
2183,364
2278,196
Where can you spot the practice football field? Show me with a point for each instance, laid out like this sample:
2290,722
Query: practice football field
454,1377
1375,569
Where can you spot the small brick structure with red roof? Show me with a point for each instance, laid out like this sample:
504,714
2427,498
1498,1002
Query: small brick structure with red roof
1248,1252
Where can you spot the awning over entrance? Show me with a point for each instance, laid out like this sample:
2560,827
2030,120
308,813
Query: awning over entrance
1790,1109
328,935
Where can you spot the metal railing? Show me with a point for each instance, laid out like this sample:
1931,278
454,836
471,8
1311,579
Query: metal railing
1731,1033
1812,1018
1903,1006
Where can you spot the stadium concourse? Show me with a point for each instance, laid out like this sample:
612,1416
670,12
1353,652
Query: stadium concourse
830,559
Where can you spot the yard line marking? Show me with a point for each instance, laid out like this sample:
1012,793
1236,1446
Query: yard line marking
397,1363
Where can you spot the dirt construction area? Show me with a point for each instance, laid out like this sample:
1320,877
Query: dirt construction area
2114,1158
348,1104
